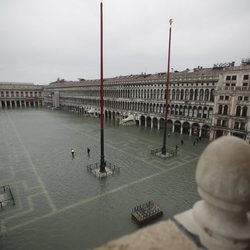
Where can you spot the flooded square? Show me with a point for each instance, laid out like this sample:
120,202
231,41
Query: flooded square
59,205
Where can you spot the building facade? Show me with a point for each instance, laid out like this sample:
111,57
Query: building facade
20,95
190,108
206,102
232,103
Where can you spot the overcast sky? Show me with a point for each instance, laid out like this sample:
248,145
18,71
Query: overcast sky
45,39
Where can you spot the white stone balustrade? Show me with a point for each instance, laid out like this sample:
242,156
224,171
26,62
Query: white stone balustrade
222,219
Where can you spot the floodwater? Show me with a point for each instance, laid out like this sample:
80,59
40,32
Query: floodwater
59,205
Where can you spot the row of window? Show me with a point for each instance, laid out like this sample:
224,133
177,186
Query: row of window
21,94
175,94
240,111
234,77
240,98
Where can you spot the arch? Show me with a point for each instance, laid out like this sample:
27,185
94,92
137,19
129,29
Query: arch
106,114
176,110
244,111
177,94
206,95
201,94
162,94
155,122
238,110
150,107
186,94
220,109
225,110
169,124
195,129
186,128
210,112
148,121
199,112
192,112
212,95
142,119
162,123
205,131
205,112
191,95
181,110
177,126
182,94
185,111
196,95
173,94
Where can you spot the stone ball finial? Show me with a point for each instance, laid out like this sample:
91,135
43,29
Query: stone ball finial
223,174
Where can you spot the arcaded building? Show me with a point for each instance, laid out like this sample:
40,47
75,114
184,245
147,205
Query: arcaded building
190,106
20,95
206,102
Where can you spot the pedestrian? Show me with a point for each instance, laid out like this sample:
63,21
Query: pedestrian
197,140
194,143
72,153
182,142
176,147
88,150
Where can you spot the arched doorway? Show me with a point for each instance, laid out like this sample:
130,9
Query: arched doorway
155,122
142,118
205,131
149,121
186,128
177,126
162,123
195,129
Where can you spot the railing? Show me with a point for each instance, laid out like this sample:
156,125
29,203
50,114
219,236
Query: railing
9,200
111,167
170,152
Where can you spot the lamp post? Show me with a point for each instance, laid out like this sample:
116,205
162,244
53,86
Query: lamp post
163,150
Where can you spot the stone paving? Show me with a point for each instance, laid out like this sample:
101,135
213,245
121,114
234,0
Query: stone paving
58,204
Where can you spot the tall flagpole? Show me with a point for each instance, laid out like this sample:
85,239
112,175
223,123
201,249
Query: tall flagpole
163,150
102,163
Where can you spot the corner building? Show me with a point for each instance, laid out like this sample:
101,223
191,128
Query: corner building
232,103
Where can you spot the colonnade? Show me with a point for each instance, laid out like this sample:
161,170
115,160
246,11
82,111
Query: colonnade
20,103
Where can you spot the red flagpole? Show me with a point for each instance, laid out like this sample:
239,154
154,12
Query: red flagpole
102,163
167,90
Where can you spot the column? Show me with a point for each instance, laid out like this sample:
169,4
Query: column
201,124
158,125
139,121
181,128
152,123
190,129
173,128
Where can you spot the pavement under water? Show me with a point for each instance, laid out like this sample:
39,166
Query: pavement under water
59,205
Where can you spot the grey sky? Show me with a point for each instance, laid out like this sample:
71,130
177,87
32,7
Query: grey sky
45,39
